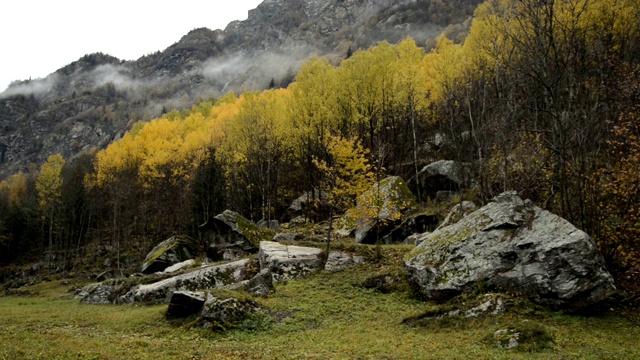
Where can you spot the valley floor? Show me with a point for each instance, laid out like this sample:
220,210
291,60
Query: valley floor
324,316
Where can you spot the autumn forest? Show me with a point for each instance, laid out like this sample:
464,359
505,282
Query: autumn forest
541,97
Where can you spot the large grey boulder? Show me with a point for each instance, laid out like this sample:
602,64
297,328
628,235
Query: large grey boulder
443,175
381,206
215,276
174,250
511,245
230,236
288,262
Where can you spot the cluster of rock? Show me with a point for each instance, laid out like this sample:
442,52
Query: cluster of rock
187,287
509,245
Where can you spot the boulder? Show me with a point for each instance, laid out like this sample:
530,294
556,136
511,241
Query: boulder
483,306
220,313
410,225
443,175
511,245
185,303
180,266
104,293
340,260
287,262
269,224
303,204
230,235
394,198
259,285
169,252
215,276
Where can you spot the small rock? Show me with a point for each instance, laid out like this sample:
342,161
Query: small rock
261,284
271,224
339,260
221,313
506,338
185,303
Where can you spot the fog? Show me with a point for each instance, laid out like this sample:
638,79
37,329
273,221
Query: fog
35,87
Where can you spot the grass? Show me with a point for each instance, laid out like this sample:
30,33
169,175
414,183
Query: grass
324,316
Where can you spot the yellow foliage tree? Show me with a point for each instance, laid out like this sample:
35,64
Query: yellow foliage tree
49,186
346,174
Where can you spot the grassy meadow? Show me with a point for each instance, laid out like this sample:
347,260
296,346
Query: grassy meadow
324,316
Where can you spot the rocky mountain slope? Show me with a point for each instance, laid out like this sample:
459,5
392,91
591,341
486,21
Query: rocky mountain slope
93,101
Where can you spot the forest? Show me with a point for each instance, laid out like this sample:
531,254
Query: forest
541,97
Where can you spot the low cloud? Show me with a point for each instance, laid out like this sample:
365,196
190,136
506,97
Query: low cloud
118,75
250,71
35,87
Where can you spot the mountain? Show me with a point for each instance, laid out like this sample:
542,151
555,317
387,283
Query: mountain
93,101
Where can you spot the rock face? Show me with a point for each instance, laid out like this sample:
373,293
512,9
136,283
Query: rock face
230,235
395,198
215,276
511,245
169,252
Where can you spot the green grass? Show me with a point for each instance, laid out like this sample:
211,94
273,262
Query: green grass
324,316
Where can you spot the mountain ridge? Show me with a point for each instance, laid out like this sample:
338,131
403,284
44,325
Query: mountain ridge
92,101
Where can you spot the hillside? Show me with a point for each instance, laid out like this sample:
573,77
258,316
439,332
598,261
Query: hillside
93,101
